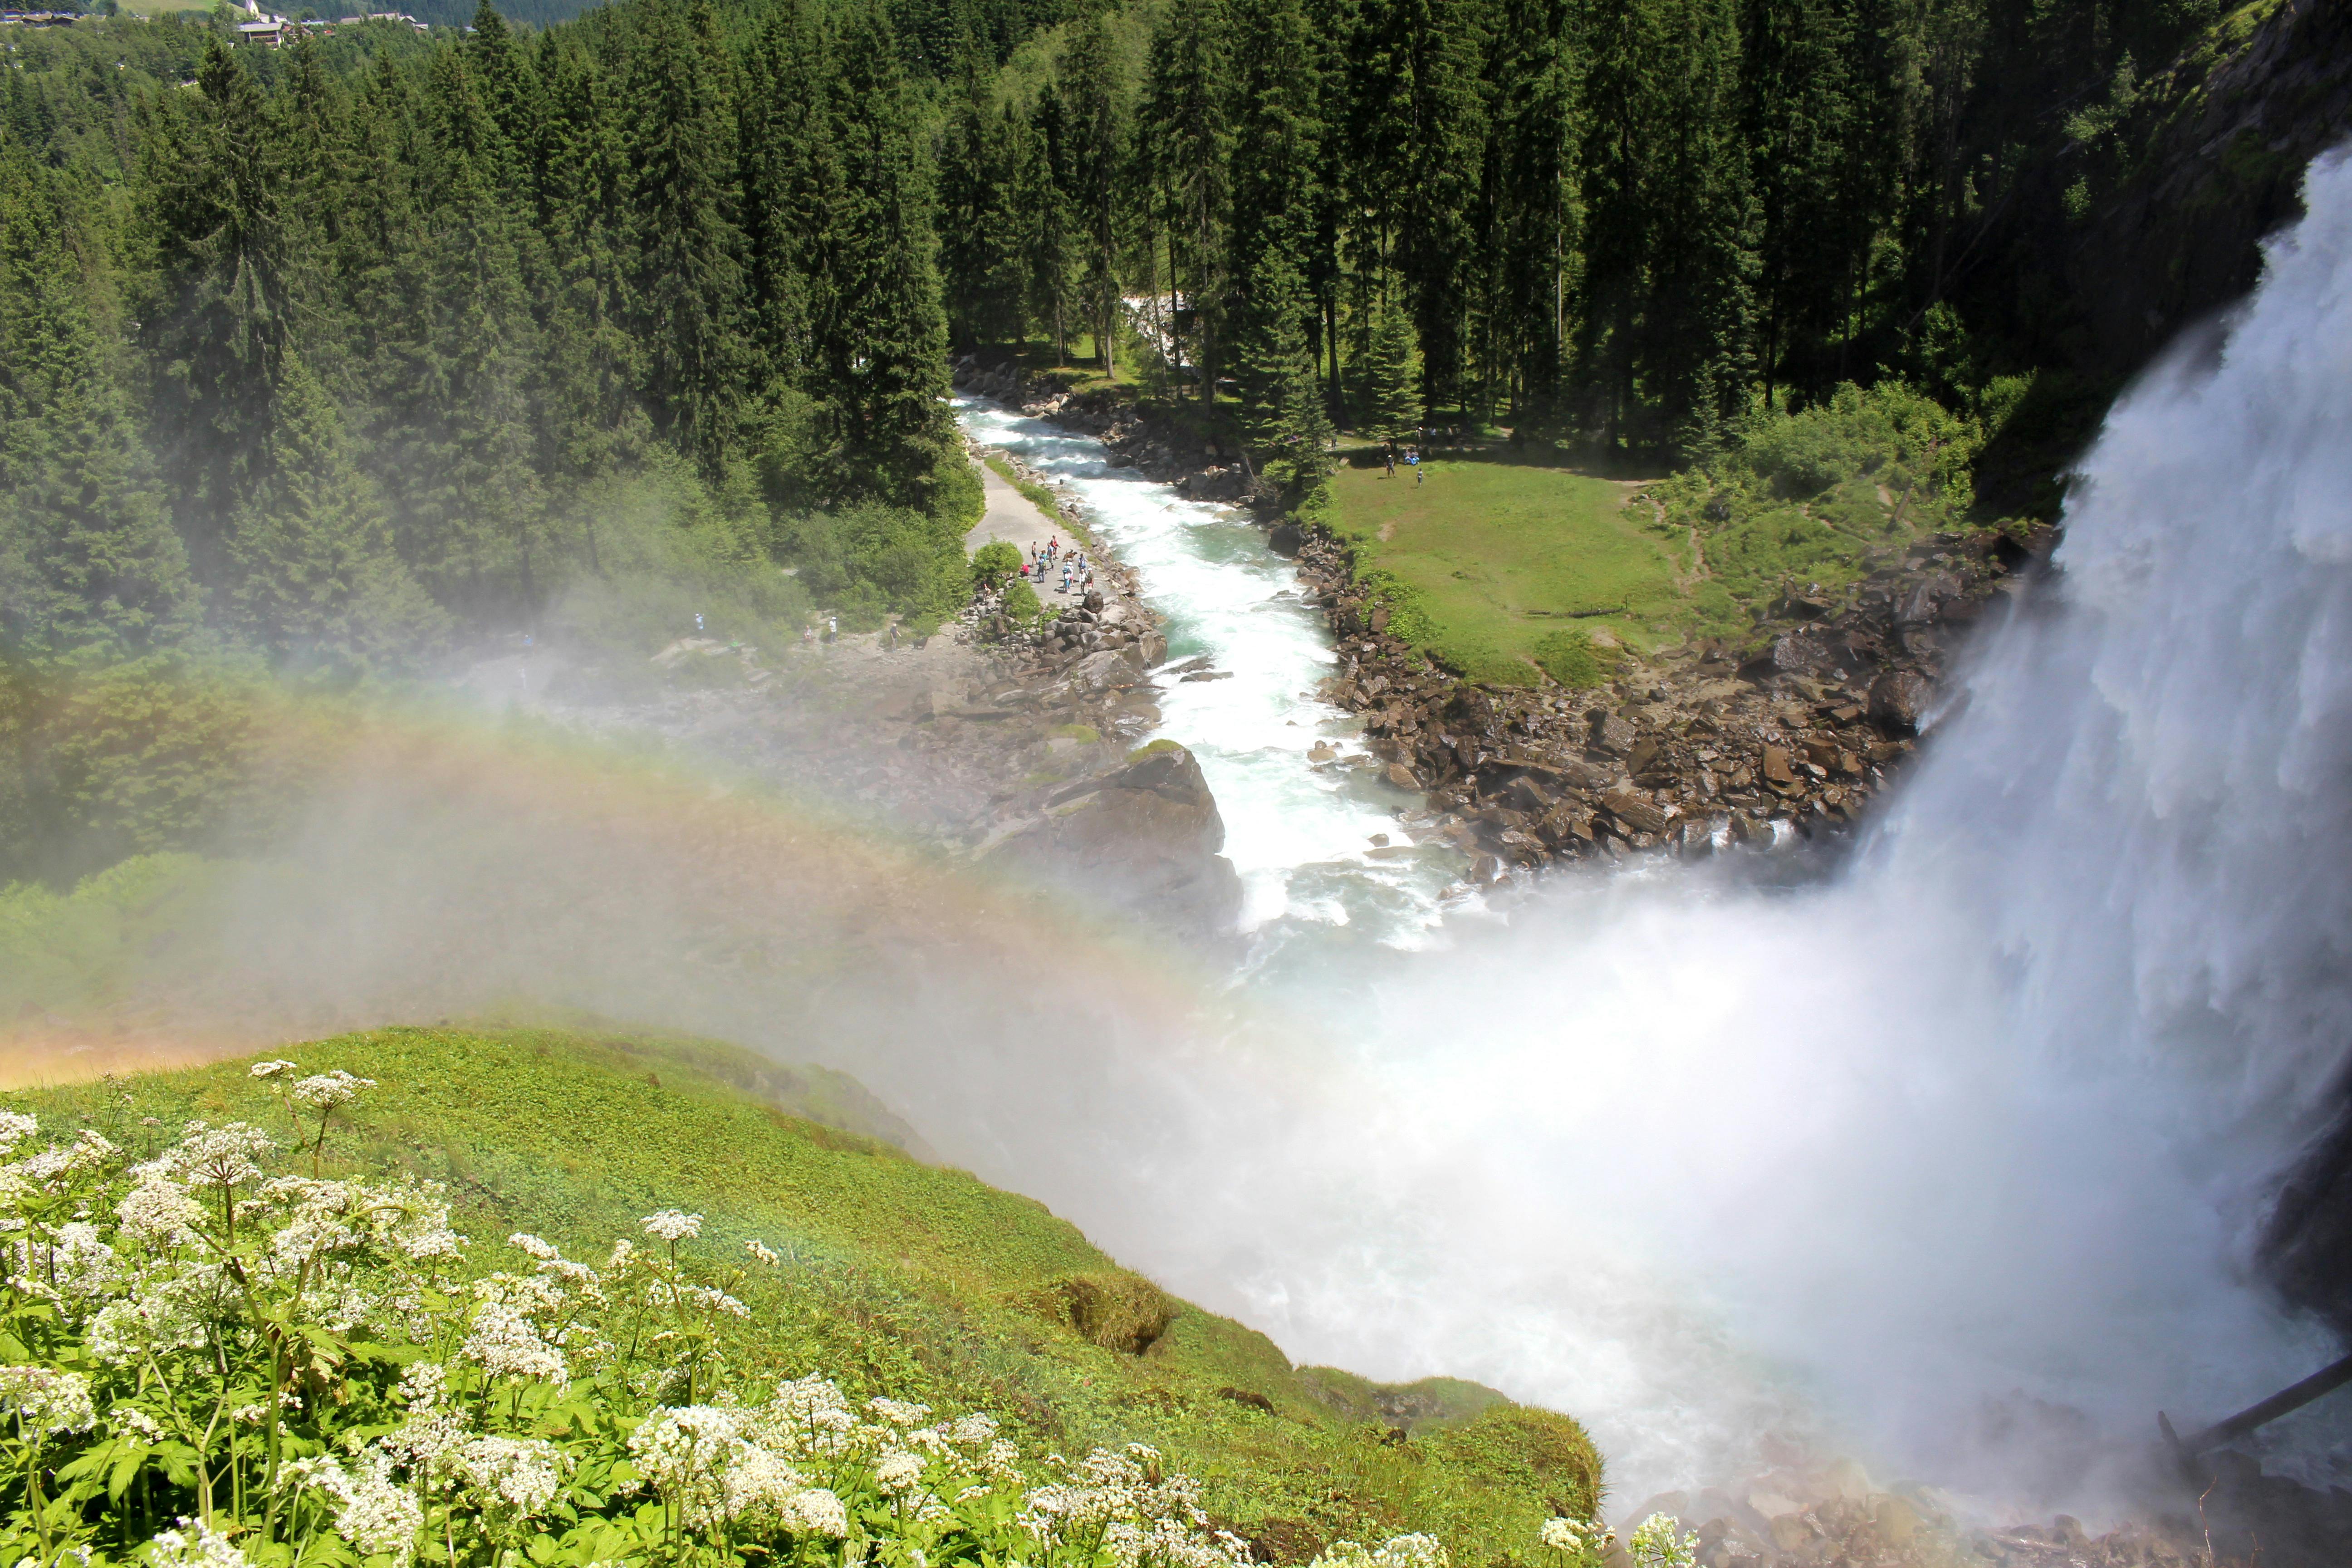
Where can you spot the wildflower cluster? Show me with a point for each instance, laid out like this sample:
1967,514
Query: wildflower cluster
209,1360
1655,1543
1583,1542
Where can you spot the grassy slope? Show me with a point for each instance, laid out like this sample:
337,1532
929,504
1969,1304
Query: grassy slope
908,1278
1505,553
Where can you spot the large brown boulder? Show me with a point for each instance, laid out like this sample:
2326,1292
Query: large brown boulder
1899,700
1145,838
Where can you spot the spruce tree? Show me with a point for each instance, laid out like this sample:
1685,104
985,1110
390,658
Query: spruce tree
1532,234
1044,191
793,206
1187,131
884,338
980,229
313,577
213,173
1282,411
1388,370
87,558
1091,93
1418,124
685,273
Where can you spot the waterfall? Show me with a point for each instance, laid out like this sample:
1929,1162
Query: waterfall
1969,1145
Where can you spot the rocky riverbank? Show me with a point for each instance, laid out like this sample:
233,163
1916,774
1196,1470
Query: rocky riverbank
1692,751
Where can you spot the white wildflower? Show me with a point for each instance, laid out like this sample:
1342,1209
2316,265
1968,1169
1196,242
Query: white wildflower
542,1251
76,1265
504,1341
972,1431
270,1069
1655,1543
164,1312
131,1419
158,1213
1574,1535
429,1440
661,1293
220,1156
14,1128
379,1517
523,1473
762,1251
680,1449
47,1400
755,1484
670,1225
899,1472
423,1384
624,1252
816,1511
323,1091
195,1545
898,1412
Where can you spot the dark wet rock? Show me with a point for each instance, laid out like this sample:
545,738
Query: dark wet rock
1898,699
1611,732
1634,814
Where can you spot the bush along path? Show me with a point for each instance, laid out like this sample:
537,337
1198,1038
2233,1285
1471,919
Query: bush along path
224,1349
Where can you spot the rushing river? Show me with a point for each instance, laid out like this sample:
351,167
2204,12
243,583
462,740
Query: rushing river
1300,832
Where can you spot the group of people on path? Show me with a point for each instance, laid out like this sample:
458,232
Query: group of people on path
1073,564
1411,460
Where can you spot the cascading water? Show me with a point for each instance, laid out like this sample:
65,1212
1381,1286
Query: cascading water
1987,1120
1300,835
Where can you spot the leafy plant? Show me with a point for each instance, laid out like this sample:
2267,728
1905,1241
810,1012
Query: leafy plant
994,562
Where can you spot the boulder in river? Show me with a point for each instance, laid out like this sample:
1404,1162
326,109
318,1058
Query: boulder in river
1144,838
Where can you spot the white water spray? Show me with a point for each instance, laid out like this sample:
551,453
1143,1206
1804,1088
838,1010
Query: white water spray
1991,1116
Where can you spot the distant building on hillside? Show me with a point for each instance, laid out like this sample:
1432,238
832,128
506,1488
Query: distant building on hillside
38,18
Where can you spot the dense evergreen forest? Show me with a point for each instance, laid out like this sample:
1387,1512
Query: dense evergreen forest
1626,220
330,355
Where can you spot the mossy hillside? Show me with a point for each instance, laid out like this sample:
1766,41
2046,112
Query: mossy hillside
906,1278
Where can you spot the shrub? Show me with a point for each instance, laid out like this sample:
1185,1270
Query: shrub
1020,606
1569,656
994,562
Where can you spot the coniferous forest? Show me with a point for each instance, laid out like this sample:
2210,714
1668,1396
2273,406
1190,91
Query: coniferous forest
330,354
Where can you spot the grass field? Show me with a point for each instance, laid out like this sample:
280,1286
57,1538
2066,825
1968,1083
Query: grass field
1502,556
899,1277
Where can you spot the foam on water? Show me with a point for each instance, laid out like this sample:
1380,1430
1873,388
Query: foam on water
1300,834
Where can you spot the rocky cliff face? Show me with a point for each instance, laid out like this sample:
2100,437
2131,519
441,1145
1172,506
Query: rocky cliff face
2229,131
